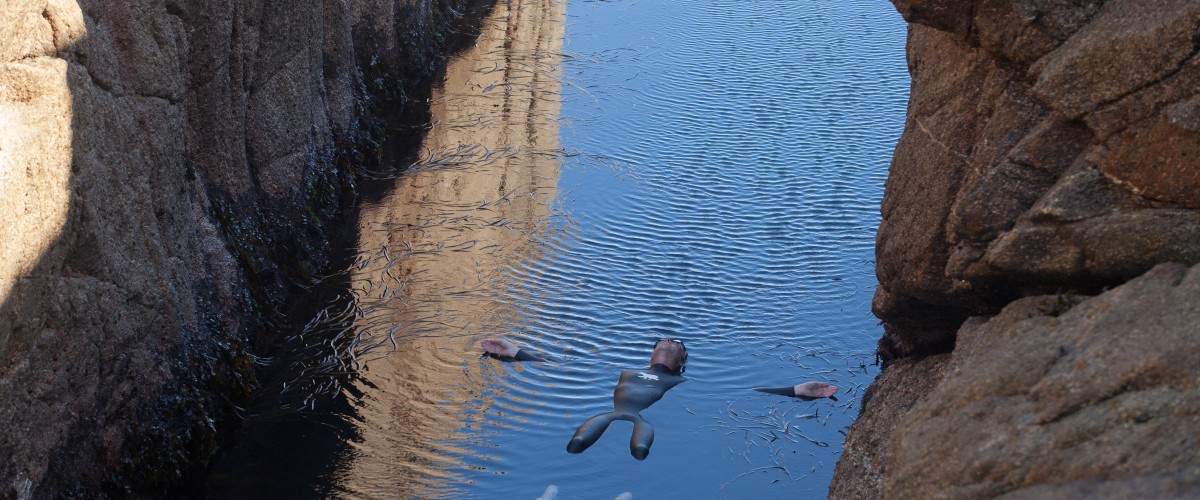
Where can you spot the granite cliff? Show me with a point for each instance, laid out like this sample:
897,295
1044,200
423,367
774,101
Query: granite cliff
171,175
1037,257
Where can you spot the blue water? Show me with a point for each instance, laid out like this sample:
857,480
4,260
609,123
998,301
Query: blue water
629,170
751,141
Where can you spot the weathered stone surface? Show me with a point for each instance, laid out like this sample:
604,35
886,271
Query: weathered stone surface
1022,32
1098,250
1157,486
1074,171
930,162
1036,134
1128,46
900,385
953,16
1158,160
168,170
1108,390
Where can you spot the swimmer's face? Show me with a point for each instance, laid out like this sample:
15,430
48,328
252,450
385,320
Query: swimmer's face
670,353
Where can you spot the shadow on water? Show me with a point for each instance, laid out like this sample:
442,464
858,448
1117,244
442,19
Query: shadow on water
728,196
100,306
421,229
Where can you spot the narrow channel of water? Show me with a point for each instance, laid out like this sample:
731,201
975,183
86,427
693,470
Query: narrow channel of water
600,174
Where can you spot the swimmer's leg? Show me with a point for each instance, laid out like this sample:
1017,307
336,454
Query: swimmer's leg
587,434
643,437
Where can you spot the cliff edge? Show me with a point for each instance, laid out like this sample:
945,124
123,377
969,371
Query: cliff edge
1040,216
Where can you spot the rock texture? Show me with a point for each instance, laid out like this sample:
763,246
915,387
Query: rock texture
170,173
899,386
1052,145
1106,390
1051,152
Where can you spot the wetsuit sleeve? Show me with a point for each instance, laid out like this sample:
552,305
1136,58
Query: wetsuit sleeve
782,391
523,355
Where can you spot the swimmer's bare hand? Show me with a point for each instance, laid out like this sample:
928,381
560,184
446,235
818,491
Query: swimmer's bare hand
499,347
815,390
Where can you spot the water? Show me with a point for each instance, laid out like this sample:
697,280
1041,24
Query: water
601,174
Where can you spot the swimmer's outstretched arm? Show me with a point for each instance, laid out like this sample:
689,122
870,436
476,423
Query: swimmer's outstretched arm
804,390
505,350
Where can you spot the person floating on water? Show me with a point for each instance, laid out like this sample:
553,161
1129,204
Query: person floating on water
636,390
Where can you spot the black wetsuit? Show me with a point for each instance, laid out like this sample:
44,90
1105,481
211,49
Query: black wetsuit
522,355
636,391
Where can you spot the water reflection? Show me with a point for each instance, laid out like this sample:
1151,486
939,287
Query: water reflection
750,147
438,252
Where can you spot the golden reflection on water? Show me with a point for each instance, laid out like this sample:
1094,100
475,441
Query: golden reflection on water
435,272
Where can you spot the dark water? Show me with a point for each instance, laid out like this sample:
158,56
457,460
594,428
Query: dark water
601,174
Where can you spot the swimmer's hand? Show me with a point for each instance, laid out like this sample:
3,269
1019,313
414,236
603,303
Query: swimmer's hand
815,390
807,390
499,347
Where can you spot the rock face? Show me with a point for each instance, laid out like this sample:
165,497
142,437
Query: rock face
170,173
863,466
1108,389
1053,146
1051,149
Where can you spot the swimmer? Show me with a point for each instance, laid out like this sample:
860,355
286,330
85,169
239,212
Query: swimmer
637,390
806,390
505,350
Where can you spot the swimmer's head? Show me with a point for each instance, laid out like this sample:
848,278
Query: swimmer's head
670,353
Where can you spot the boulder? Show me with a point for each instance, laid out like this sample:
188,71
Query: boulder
1105,391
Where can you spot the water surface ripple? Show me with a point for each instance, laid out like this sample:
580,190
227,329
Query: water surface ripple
601,174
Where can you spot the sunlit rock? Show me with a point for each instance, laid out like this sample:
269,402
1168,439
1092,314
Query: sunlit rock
1050,148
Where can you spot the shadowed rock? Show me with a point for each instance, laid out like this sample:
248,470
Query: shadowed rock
170,175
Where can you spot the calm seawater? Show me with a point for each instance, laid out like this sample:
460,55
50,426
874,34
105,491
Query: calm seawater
600,174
